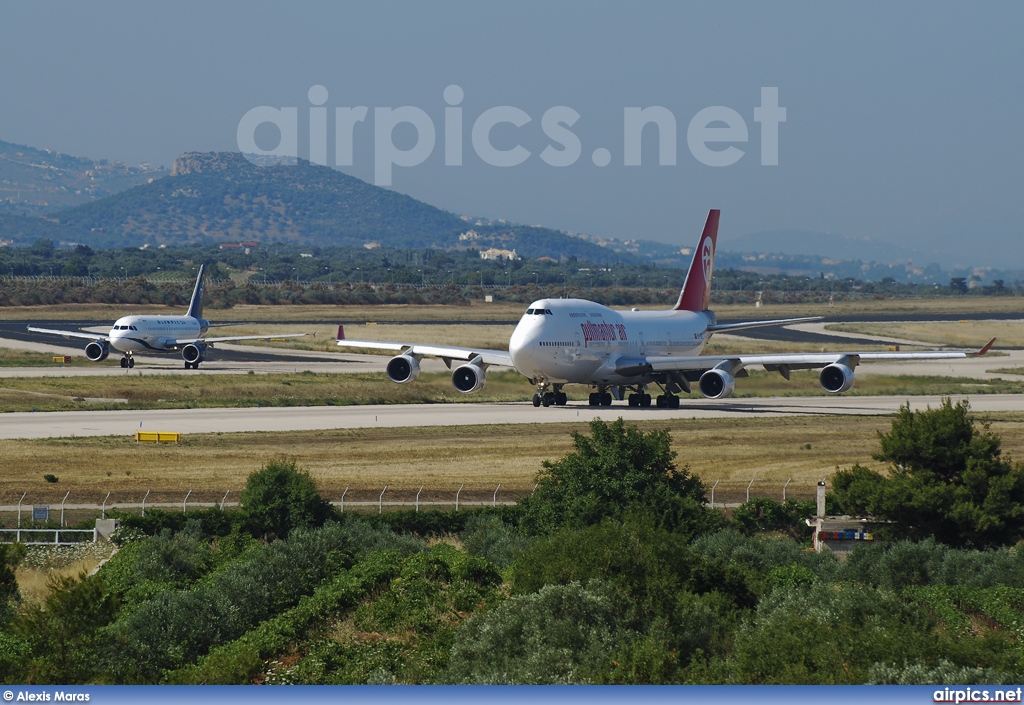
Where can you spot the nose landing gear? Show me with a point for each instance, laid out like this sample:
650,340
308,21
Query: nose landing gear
127,361
545,397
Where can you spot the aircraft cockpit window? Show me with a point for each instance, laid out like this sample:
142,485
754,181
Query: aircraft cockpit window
132,328
529,312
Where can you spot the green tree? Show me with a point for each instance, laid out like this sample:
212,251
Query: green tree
279,498
10,556
618,470
947,480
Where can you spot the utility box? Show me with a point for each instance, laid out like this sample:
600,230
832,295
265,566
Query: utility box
41,512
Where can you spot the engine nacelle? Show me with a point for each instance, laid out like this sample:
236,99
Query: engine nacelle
97,351
193,352
836,378
403,368
469,378
716,384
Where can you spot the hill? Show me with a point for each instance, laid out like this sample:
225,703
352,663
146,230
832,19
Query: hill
39,181
223,197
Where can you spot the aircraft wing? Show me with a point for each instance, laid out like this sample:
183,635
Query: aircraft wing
71,333
781,362
232,338
446,352
726,327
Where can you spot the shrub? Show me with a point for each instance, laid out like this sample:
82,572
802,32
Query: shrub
615,471
560,634
280,498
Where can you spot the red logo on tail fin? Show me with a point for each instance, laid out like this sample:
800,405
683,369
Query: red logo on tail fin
341,332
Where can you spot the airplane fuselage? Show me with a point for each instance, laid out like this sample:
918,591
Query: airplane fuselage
132,334
577,341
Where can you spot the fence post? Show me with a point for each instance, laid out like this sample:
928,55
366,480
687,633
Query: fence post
19,512
380,500
62,507
748,488
184,504
343,500
103,509
457,496
494,500
144,502
224,499
418,499
784,489
713,492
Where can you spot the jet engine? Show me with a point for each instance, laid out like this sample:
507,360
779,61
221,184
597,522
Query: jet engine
193,353
97,351
469,378
403,368
716,384
836,378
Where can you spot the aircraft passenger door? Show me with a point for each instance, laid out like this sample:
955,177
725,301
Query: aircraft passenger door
577,349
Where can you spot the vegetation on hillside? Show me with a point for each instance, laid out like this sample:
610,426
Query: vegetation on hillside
612,572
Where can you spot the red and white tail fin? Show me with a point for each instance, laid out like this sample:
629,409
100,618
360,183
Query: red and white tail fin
341,333
696,293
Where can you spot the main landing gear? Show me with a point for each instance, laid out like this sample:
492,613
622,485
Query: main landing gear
601,398
127,362
193,365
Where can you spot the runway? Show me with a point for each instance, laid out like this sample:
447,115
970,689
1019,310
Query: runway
194,421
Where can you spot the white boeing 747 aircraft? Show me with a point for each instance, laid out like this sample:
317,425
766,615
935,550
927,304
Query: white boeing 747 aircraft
159,334
575,341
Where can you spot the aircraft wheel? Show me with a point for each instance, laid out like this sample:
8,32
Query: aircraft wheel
595,399
547,399
662,401
645,400
536,399
131,362
188,365
673,402
561,399
606,399
124,362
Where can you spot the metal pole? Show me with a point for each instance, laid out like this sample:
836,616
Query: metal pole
418,498
343,500
224,499
494,500
104,508
748,489
144,502
19,512
713,492
457,496
184,504
380,500
62,507
784,489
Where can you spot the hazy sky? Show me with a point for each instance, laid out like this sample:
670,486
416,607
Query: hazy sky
903,121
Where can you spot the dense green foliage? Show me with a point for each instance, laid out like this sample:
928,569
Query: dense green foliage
613,573
948,480
280,498
616,471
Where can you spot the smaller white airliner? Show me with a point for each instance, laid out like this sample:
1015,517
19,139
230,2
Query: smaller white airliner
574,341
159,334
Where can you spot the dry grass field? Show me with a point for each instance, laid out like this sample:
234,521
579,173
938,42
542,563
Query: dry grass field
1008,334
441,459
